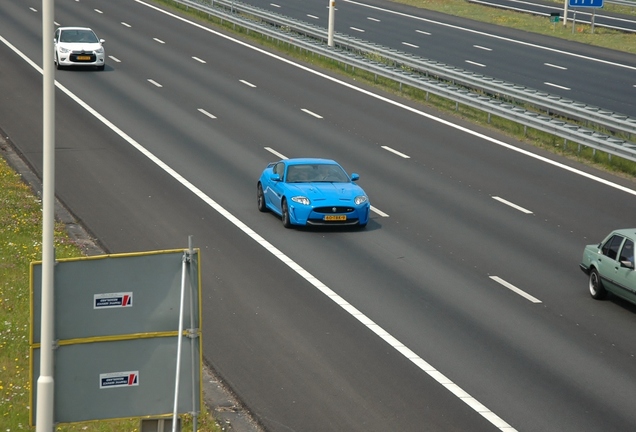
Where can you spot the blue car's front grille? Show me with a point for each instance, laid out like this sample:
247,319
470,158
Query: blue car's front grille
334,209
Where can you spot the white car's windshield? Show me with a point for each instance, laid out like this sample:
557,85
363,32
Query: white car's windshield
79,36
316,173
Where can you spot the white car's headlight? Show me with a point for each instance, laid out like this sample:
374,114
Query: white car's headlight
301,200
99,50
64,50
360,199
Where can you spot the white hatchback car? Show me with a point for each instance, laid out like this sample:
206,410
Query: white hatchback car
78,46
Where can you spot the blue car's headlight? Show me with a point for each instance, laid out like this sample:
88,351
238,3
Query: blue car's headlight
301,200
360,199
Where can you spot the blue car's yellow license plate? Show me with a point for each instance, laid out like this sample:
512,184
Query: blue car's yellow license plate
335,217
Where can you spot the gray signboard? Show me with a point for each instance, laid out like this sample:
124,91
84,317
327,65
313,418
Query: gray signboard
117,327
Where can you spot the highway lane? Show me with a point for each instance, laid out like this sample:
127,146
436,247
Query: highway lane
581,72
425,279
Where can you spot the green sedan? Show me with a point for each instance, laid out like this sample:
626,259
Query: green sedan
610,265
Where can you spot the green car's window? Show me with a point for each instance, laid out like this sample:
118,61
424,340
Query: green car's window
610,248
627,253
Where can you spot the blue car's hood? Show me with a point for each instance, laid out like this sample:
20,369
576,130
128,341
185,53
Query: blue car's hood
326,191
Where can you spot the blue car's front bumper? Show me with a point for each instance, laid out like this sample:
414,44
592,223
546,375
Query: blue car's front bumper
329,215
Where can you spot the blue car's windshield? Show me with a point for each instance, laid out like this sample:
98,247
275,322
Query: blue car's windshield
316,173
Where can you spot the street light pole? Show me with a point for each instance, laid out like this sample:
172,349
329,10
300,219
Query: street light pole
45,385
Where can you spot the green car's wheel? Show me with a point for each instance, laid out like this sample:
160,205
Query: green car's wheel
596,286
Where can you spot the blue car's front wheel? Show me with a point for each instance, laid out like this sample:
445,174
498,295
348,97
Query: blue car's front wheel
260,198
284,213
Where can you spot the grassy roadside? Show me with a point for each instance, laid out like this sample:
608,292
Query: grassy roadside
21,244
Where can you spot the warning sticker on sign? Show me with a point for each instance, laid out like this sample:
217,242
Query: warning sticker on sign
119,379
112,300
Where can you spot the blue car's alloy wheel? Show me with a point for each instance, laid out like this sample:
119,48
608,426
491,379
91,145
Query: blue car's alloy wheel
260,198
285,214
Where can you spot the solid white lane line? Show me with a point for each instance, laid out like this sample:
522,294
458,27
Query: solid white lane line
33,9
410,45
555,66
423,32
357,29
202,111
557,86
126,24
475,63
115,59
312,16
513,288
482,48
311,113
153,82
199,60
247,83
274,5
515,206
158,40
387,148
373,19
98,11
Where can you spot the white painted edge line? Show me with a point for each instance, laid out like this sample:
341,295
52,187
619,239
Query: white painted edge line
400,154
282,156
247,83
153,82
513,288
199,60
311,113
202,111
514,206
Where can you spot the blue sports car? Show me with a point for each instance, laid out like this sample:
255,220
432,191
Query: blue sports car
311,191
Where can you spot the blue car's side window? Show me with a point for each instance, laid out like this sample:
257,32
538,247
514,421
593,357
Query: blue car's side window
610,248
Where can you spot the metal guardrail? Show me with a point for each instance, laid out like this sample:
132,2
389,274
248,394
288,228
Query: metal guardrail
490,95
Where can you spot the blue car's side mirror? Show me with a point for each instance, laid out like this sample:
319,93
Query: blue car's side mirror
275,178
354,176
